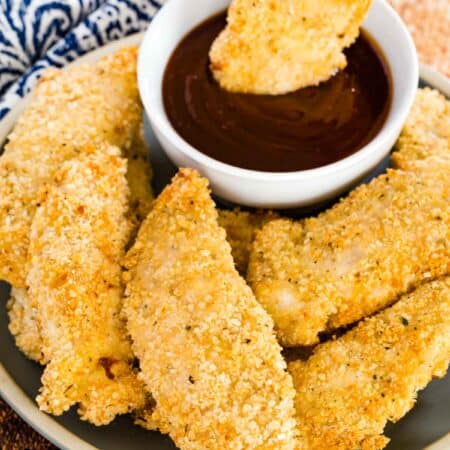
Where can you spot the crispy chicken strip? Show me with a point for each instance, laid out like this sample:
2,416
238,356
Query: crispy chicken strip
385,238
426,133
207,350
275,47
139,177
71,108
77,240
241,227
351,387
22,310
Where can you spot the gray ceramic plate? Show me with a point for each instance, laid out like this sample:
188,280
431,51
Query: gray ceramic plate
19,377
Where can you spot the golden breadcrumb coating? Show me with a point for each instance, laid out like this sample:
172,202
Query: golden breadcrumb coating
22,311
77,240
426,133
354,259
207,350
71,108
241,227
23,325
275,47
351,387
139,177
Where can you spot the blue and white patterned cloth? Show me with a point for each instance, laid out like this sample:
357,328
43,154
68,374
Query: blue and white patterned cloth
36,34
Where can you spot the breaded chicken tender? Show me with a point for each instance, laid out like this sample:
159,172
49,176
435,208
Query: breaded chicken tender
426,133
139,177
385,238
351,387
206,347
275,47
84,105
241,227
22,310
77,241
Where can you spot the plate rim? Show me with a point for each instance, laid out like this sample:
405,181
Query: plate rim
10,391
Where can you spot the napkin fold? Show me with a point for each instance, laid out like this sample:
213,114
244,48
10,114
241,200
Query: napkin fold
37,34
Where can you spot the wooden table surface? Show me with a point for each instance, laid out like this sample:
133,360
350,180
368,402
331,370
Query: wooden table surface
15,434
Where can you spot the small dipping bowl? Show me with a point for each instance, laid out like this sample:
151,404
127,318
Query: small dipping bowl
275,189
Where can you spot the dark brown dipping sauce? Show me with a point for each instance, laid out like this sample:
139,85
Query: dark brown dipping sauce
302,130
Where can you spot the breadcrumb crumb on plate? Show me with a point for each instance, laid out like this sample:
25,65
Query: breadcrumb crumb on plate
77,239
207,349
352,386
275,47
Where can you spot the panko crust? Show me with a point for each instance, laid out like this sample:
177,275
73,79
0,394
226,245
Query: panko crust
23,325
22,310
207,350
274,47
83,105
426,133
139,178
385,238
352,386
77,241
241,227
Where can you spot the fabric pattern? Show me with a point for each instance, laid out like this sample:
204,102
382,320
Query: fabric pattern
37,34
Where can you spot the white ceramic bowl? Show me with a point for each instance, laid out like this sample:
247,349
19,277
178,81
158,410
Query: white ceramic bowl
272,189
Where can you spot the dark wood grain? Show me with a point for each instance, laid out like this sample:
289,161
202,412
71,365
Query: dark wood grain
15,434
